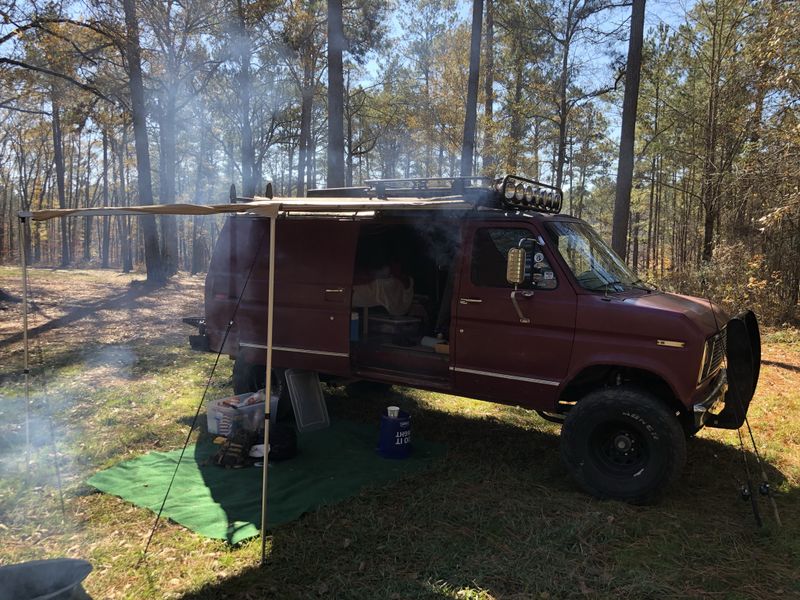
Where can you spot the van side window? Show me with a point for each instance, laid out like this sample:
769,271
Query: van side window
490,248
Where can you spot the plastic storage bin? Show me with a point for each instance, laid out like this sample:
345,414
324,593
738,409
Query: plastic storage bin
403,331
223,419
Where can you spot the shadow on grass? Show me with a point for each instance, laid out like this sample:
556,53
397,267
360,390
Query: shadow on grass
129,360
500,515
781,365
126,299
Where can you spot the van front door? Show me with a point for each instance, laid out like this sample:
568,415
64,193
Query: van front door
499,357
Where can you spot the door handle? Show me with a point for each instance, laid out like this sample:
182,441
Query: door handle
525,294
470,301
334,291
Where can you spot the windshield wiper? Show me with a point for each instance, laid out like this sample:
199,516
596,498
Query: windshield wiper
604,286
643,285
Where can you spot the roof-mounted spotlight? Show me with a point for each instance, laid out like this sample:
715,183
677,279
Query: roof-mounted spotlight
518,192
529,194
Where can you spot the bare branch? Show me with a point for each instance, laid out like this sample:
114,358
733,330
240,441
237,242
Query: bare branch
46,71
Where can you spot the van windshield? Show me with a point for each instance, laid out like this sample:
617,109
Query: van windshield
596,267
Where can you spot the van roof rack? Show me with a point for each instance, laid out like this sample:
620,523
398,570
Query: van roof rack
510,192
475,189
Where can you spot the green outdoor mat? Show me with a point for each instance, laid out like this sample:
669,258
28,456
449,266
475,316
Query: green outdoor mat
331,465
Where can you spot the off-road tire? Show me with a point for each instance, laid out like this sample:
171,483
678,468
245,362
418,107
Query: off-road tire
248,377
623,443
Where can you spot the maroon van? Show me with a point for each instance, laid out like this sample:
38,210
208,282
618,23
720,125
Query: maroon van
505,300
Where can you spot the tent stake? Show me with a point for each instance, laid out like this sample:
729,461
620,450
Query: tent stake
268,385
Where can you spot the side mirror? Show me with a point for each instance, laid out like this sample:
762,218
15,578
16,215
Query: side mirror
515,266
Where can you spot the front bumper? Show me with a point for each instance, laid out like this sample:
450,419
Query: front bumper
714,403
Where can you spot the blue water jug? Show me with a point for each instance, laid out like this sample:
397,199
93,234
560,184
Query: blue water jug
395,435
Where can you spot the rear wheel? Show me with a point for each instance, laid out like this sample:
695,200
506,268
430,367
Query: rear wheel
623,443
248,377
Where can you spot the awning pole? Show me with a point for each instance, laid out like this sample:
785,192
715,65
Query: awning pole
25,353
268,388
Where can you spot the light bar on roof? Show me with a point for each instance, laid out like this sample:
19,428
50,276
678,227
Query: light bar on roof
519,193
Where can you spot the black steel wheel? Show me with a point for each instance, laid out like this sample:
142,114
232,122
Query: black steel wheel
623,443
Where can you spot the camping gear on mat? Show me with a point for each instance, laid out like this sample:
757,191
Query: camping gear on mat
234,451
332,465
282,442
395,435
53,579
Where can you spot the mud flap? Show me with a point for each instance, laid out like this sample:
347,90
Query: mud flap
743,350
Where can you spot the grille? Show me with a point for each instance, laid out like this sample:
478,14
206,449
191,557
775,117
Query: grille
715,355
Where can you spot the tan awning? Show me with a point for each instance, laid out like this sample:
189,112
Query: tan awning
264,207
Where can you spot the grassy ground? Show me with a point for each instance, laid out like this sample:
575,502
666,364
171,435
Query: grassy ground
498,518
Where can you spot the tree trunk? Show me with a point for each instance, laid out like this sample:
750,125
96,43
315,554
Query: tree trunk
3,223
169,232
468,143
87,228
516,114
106,242
243,78
489,159
563,113
58,158
198,242
336,43
155,270
622,200
348,181
126,243
311,165
303,162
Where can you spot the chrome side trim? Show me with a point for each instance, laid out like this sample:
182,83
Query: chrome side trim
504,376
298,350
671,343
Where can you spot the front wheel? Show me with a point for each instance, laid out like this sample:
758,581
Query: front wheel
623,443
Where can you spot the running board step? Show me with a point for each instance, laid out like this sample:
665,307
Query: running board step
403,378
